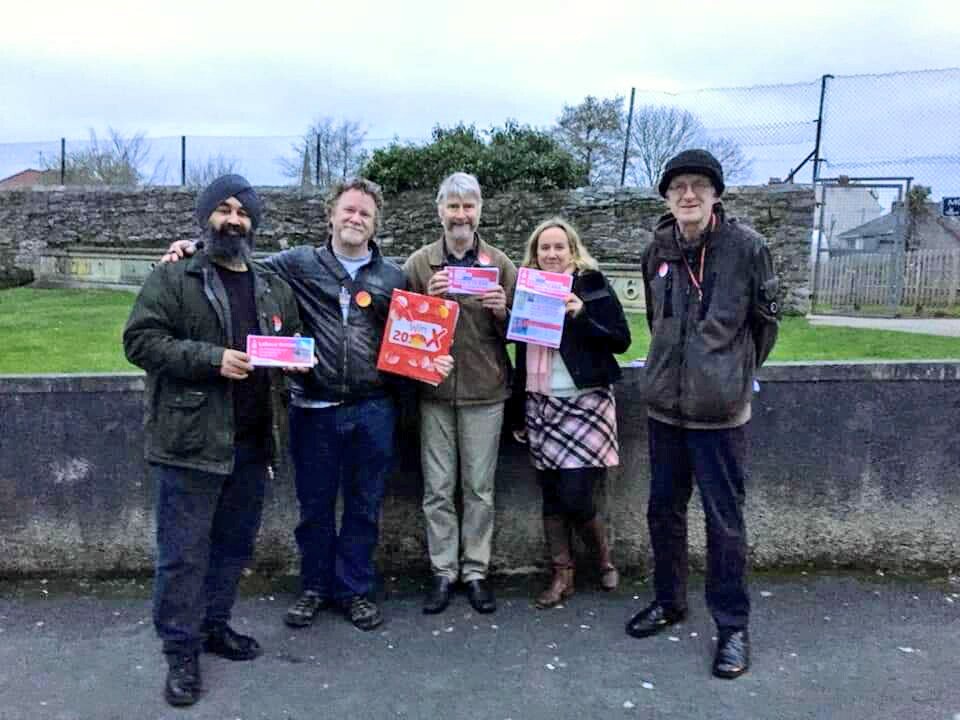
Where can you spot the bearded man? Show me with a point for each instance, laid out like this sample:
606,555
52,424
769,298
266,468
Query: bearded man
212,425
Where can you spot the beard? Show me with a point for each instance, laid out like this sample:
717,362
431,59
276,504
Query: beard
229,244
460,231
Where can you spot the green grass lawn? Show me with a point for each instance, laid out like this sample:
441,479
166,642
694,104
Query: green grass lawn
46,331
799,340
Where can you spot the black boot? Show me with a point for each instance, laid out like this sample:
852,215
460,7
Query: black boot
733,654
183,684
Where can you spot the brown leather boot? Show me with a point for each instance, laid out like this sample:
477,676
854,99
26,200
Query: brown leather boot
594,536
557,533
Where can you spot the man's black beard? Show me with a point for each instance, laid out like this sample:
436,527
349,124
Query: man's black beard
228,244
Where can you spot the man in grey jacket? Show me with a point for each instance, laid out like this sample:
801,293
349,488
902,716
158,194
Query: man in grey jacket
712,311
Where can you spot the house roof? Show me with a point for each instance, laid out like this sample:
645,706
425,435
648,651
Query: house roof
24,178
885,225
878,227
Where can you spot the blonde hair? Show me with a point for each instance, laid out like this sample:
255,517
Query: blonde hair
582,259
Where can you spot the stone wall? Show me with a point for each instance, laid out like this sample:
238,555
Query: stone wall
615,223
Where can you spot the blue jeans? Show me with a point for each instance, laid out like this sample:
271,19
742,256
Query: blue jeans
717,459
206,528
350,448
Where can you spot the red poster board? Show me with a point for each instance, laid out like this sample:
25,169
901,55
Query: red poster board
419,328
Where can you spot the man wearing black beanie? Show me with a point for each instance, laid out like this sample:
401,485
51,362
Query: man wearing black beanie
211,424
711,307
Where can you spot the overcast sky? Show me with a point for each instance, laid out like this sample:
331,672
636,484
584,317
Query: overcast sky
268,68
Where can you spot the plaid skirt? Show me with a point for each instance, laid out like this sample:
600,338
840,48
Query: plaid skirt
572,432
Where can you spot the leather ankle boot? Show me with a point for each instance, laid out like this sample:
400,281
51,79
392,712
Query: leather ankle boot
594,536
557,533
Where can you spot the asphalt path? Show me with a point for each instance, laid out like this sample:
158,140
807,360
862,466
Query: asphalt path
949,327
857,647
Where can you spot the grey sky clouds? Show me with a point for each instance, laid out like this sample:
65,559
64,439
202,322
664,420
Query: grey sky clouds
269,68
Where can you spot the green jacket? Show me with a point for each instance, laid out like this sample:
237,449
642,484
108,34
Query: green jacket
177,332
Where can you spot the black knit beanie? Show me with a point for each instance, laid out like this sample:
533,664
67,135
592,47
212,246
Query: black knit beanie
694,162
224,187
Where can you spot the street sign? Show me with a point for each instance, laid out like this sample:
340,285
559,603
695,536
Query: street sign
951,207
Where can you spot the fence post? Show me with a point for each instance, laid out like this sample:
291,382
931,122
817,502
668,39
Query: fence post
183,160
63,161
316,181
955,280
626,138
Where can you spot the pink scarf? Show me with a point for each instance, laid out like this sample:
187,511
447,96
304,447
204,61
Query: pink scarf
539,368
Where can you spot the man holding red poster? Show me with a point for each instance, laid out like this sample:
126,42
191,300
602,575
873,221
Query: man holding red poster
461,418
418,335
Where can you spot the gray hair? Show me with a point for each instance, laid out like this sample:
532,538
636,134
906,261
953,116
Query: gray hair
460,184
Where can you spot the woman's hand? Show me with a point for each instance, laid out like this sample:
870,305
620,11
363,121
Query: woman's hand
574,305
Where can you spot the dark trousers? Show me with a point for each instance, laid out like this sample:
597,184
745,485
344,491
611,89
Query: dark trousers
569,492
206,528
716,458
348,447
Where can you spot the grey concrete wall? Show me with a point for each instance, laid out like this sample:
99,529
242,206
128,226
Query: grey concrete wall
853,465
51,228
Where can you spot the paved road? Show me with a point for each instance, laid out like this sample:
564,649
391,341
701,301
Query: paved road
825,646
925,326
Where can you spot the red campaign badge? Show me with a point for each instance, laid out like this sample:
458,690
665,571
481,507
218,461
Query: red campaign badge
663,269
277,323
484,259
363,299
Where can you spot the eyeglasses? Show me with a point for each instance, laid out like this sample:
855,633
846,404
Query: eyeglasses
698,186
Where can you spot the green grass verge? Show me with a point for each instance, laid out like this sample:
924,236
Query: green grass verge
54,331
47,331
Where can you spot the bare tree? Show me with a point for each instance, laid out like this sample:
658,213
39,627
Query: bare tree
661,131
200,174
593,133
116,160
736,165
329,149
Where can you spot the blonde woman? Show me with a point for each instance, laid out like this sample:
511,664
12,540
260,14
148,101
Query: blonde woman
570,416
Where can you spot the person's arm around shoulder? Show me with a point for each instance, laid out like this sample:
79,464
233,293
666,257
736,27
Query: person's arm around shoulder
764,314
151,339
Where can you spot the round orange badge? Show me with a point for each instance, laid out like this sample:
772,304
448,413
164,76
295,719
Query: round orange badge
363,299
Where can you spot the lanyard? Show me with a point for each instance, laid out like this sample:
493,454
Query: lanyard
696,280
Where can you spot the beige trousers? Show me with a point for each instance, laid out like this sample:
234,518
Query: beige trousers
459,442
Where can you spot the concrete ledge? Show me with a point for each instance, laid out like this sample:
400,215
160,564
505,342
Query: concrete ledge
854,464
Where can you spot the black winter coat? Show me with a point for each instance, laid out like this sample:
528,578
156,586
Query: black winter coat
347,351
703,354
589,340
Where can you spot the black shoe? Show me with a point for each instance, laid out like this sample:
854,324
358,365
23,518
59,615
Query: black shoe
439,596
481,596
304,611
733,654
183,684
363,613
652,619
229,644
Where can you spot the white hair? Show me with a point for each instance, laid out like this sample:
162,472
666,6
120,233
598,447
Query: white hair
460,184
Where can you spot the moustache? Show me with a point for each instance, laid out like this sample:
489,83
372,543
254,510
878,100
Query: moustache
230,242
